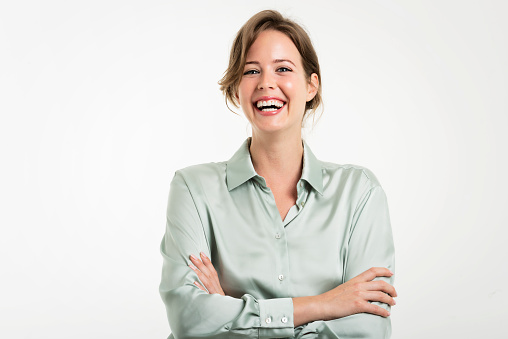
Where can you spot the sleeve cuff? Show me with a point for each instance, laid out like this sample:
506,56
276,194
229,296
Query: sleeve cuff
276,317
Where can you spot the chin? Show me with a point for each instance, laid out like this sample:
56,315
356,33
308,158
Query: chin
271,128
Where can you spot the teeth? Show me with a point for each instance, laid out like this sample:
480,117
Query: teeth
262,103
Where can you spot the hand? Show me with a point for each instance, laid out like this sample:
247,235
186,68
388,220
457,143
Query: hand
206,274
353,296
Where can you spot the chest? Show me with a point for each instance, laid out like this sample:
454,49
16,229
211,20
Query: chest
257,251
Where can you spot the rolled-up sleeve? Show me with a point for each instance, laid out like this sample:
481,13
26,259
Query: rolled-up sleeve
193,313
370,244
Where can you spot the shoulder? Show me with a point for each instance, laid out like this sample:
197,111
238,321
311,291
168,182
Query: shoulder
355,175
202,174
211,168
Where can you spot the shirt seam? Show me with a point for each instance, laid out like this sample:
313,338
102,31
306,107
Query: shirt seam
197,210
363,197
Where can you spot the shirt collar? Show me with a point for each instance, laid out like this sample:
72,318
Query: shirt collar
312,171
240,169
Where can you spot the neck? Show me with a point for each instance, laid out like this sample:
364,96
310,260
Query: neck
277,156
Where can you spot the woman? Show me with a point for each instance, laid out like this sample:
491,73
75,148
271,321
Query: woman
274,243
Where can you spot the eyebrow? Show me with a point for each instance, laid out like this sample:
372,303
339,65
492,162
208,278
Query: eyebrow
276,61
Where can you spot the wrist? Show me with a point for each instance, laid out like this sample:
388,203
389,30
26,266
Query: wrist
306,310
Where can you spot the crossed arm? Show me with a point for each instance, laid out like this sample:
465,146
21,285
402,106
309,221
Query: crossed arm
346,299
356,309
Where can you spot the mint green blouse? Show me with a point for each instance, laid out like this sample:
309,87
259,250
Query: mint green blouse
338,228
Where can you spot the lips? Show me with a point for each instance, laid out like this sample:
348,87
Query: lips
269,105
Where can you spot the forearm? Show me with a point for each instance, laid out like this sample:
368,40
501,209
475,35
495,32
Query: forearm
306,310
193,313
361,325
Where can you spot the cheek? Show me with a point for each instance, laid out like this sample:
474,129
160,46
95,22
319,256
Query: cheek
288,85
244,92
294,88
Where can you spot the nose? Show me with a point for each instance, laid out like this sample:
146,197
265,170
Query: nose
266,81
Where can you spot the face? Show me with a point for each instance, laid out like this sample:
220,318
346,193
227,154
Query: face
274,88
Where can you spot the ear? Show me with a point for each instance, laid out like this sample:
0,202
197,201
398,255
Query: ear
313,87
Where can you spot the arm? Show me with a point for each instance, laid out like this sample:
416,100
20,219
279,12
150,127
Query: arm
346,307
191,311
370,245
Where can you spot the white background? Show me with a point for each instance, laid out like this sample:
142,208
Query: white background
101,101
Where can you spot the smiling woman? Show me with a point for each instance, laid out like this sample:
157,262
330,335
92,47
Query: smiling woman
246,37
275,86
289,246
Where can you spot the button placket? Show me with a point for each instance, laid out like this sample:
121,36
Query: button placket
302,197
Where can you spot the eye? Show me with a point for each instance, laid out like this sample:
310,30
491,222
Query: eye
251,71
284,69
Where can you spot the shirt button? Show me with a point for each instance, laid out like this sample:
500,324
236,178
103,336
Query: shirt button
268,320
277,236
284,320
281,277
302,203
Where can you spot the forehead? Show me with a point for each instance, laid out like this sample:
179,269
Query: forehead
272,45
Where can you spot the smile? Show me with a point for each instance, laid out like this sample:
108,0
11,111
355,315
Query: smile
269,107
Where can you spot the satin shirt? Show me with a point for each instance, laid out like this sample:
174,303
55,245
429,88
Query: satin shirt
338,228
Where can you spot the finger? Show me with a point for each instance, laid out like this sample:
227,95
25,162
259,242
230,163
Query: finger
375,309
379,296
203,278
214,277
201,287
372,273
380,285
199,264
207,276
208,263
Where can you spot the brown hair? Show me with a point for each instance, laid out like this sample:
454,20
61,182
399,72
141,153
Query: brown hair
262,21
